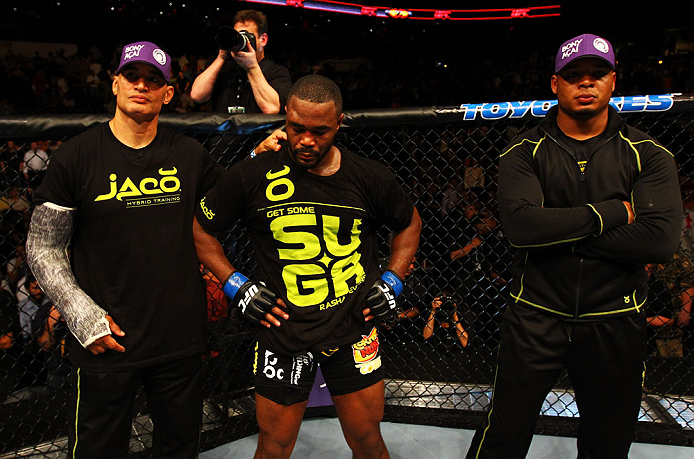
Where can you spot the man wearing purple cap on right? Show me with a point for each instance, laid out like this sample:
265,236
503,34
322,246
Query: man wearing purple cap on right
587,201
122,195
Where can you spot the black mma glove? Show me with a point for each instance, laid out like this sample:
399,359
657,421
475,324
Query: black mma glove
254,299
381,297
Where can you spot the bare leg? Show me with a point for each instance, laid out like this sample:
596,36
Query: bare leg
360,414
279,427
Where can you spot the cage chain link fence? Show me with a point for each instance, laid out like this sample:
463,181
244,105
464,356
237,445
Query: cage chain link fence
440,352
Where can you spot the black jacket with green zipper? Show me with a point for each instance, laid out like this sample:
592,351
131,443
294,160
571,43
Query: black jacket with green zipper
576,256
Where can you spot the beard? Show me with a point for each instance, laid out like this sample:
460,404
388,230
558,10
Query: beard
307,158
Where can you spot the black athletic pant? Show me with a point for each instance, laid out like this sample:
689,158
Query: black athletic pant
103,404
605,361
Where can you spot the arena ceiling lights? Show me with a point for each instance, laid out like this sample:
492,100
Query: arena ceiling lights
486,14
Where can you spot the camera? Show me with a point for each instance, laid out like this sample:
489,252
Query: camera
229,39
448,302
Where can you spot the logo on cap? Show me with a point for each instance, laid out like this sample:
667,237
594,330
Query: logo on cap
601,45
570,48
586,45
159,56
132,51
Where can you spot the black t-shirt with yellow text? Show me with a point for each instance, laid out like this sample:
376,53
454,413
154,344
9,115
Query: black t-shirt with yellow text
315,240
132,250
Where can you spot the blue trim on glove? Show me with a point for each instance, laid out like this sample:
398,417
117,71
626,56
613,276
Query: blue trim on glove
233,284
392,279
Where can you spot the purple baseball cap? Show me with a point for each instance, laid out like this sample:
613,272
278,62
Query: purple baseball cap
586,45
149,53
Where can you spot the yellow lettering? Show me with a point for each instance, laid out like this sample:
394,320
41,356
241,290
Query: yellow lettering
112,191
284,183
147,186
170,184
345,270
172,171
273,175
149,180
306,284
128,190
331,226
323,270
208,213
306,246
300,210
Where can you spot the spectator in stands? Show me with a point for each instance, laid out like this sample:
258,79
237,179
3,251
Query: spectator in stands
50,335
244,81
93,87
11,157
10,332
16,267
453,194
663,310
462,232
474,175
34,164
10,329
15,200
15,208
33,313
465,270
447,322
52,341
34,309
39,86
182,100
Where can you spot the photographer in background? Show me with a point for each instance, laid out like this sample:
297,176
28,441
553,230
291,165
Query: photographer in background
241,79
444,319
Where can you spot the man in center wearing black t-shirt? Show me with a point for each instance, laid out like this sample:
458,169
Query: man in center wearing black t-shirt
313,211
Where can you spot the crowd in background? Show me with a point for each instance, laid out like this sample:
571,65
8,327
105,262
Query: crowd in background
376,67
452,179
80,83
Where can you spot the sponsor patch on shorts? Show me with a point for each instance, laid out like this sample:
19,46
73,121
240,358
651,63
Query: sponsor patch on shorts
365,353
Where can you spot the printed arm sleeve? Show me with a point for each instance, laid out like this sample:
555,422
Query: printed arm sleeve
654,235
528,224
49,234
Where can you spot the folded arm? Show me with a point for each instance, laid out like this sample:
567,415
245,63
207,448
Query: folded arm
528,224
654,235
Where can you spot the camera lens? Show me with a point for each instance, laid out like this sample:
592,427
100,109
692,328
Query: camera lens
229,39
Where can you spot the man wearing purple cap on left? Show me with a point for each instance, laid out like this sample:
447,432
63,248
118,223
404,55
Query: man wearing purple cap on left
122,196
587,201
